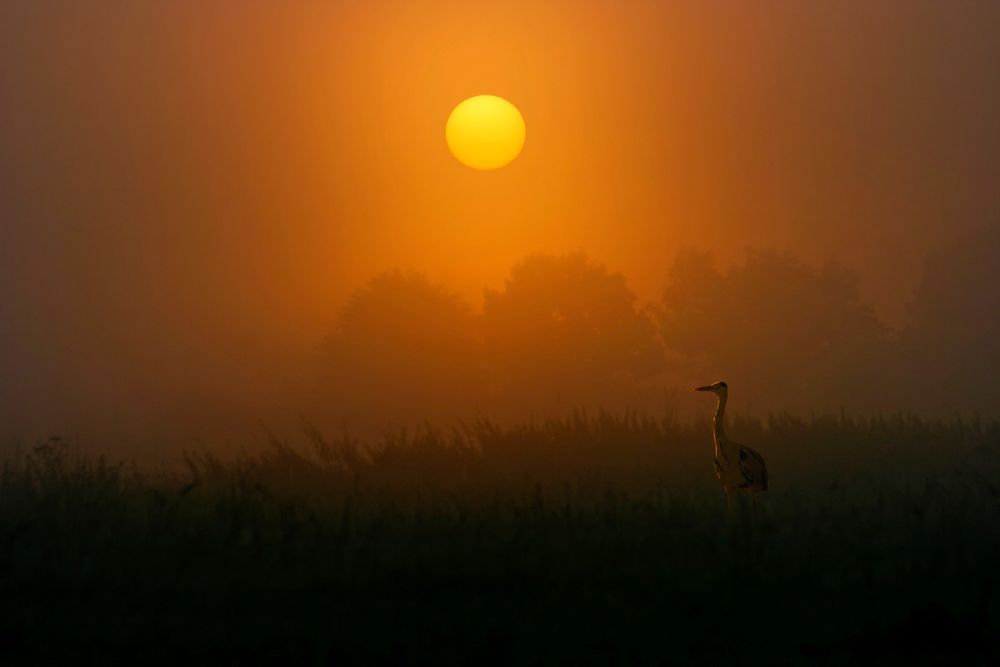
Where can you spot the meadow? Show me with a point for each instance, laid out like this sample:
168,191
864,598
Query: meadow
594,538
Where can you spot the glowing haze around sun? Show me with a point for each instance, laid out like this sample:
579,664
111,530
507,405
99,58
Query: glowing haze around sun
485,132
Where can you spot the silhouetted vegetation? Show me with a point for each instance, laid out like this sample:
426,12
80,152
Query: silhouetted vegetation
950,350
566,332
792,336
599,538
404,349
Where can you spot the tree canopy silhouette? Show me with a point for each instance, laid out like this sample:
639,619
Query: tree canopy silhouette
950,357
404,348
564,332
793,335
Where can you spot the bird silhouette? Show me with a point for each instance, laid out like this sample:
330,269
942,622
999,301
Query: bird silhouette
740,469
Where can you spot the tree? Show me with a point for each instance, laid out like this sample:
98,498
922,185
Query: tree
404,349
949,354
565,332
794,336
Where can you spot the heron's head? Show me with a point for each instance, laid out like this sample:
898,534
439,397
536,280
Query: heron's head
718,388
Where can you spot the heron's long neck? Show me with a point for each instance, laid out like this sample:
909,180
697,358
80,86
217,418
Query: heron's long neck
718,425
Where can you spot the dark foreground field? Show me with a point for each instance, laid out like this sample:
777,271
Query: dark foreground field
596,540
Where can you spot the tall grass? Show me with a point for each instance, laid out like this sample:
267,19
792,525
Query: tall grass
595,537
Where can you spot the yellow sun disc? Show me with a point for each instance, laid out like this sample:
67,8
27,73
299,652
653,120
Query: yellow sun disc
485,132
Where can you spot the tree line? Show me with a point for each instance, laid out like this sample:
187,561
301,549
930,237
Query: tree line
565,332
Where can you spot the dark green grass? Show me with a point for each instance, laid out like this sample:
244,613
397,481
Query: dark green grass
602,540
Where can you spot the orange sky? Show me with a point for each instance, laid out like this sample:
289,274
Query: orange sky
840,133
197,180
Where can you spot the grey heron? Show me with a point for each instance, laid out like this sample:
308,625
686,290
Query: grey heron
740,469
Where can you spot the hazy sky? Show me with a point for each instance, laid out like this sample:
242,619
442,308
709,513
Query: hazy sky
187,185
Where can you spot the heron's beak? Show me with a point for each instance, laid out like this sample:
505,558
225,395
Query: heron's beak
705,388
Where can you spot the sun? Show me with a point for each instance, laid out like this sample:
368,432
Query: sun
485,132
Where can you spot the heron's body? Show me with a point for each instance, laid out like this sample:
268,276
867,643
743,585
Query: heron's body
740,469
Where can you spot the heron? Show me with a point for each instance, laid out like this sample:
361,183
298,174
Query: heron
740,469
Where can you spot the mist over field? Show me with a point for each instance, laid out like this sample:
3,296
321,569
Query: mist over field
198,207
564,333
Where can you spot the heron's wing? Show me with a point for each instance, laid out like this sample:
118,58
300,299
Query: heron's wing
752,467
763,471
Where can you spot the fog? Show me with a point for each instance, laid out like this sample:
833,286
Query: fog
215,220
